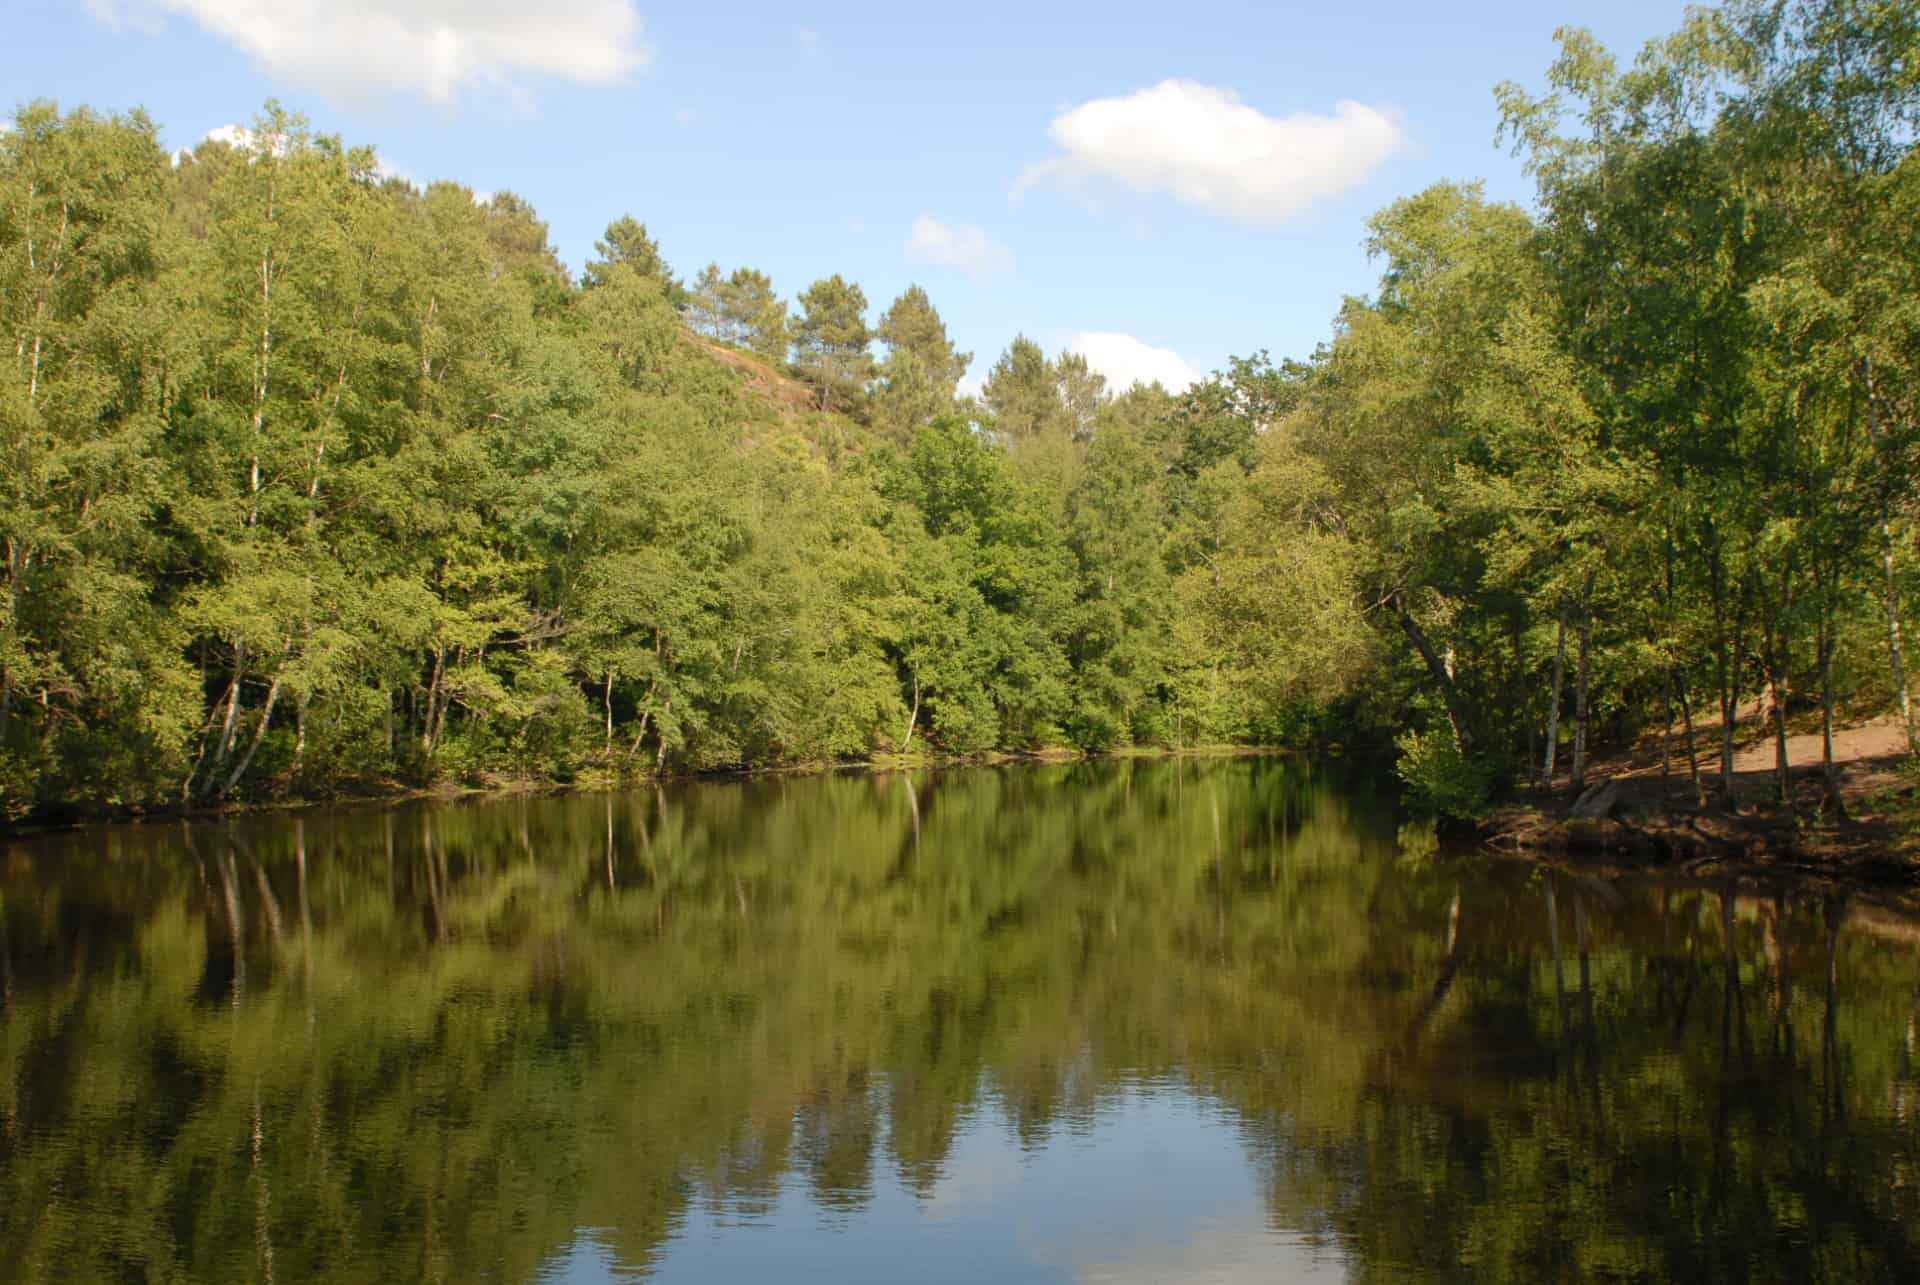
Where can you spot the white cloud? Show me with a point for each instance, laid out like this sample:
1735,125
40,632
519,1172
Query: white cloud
241,137
231,135
809,42
133,16
1126,361
965,247
238,136
436,49
1206,148
1238,1249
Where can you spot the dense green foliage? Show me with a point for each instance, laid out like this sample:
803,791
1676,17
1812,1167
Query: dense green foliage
435,1042
1658,440
314,479
310,478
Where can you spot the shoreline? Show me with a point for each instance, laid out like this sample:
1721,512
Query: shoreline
596,783
1628,822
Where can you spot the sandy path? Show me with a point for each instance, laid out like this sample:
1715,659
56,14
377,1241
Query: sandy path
1876,738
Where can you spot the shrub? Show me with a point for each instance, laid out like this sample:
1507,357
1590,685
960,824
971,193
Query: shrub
1440,780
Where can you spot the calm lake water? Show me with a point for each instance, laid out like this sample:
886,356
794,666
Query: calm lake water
1152,1021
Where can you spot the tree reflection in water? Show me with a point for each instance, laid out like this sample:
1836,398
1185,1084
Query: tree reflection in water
437,1042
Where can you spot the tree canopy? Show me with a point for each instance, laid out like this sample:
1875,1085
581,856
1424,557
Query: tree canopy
315,479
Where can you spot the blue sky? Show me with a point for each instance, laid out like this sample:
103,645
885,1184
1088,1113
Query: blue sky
1161,185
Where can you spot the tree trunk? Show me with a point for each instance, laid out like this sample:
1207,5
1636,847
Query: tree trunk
660,756
1666,734
440,719
186,786
1580,692
433,697
606,701
44,288
1727,674
646,713
1890,597
1441,673
259,734
300,735
1898,662
13,614
1729,717
1523,692
1777,679
262,365
1829,773
1783,689
913,716
224,746
1693,755
1553,696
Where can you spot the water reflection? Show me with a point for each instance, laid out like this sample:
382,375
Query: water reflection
1118,1022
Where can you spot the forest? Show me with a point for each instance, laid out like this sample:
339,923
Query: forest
314,481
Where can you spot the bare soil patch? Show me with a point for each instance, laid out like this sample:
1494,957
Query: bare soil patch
1865,831
788,396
